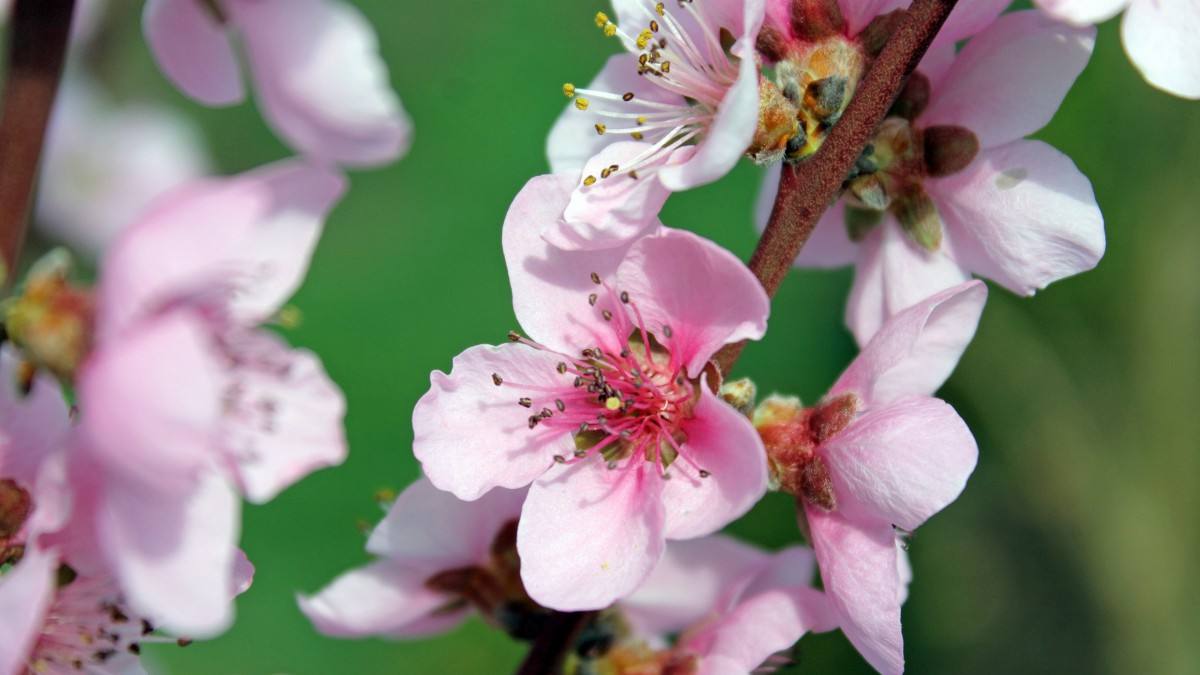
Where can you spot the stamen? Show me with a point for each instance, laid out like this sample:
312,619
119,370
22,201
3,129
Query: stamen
497,380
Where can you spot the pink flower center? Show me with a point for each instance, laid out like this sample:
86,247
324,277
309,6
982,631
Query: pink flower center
678,50
628,404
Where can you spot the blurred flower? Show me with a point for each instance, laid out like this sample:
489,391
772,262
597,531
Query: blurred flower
320,80
1159,36
607,398
105,162
878,451
949,188
676,85
184,402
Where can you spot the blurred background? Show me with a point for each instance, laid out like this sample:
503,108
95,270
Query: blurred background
1071,550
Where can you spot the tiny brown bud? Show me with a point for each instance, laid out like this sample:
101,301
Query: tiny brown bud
919,218
949,149
913,98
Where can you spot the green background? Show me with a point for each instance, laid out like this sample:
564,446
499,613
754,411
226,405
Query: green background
1069,551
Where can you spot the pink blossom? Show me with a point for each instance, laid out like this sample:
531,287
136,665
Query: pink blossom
983,202
185,403
1159,36
606,398
315,65
106,162
438,558
675,85
880,452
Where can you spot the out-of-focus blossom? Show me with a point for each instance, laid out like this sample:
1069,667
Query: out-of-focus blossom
106,162
677,84
950,187
185,402
315,64
878,452
438,560
1159,36
607,408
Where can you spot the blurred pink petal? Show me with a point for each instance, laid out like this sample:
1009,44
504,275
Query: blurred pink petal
1160,37
193,51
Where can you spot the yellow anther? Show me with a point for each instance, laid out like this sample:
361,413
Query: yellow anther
605,172
581,103
641,119
610,29
612,403
653,25
661,9
589,181
601,19
600,128
289,317
644,38
637,136
666,66
569,90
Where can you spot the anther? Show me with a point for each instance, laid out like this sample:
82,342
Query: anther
606,314
660,8
569,90
600,128
533,421
497,380
558,403
613,168
627,96
666,330
514,336
625,297
666,66
605,172
637,136
612,464
589,181
601,19
525,402
644,38
561,367
595,278
580,454
704,473
581,103
654,25
559,459
612,403
546,413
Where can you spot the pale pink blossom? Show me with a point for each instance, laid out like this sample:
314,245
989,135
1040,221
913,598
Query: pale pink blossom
438,559
883,454
676,85
315,64
1016,211
607,396
185,403
105,162
1159,36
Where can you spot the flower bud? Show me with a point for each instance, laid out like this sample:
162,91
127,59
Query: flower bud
919,218
51,321
949,149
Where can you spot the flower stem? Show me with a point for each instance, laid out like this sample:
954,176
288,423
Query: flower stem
548,652
807,189
37,49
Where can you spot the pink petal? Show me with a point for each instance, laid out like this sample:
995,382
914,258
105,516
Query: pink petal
432,529
285,419
573,139
704,293
967,19
1010,79
150,403
893,274
321,81
1083,12
381,598
859,13
551,286
174,553
26,592
901,463
793,567
739,642
859,571
249,238
690,582
193,51
471,436
829,245
917,349
615,210
588,535
732,130
1160,36
32,427
1028,217
723,442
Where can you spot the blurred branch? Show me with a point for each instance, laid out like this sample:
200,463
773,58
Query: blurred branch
807,189
548,652
37,48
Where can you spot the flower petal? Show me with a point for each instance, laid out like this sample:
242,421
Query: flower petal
573,139
829,245
193,51
723,442
245,240
769,622
1082,12
471,436
432,529
917,349
1010,79
589,536
859,13
1160,36
285,419
174,553
704,293
26,592
893,274
1028,215
690,582
859,572
32,426
381,598
321,81
793,567
901,463
551,286
616,210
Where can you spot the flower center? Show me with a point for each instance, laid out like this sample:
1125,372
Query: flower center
792,435
680,51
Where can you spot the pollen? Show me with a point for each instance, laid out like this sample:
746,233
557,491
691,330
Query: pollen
601,19
569,90
644,38
601,128
610,29
612,403
581,103
589,181
660,8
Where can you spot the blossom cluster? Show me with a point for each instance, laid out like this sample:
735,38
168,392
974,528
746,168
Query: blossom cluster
589,461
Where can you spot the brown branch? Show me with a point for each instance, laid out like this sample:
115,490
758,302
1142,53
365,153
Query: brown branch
37,49
806,190
548,652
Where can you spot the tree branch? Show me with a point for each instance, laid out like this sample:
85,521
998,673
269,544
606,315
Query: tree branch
38,46
807,189
548,652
